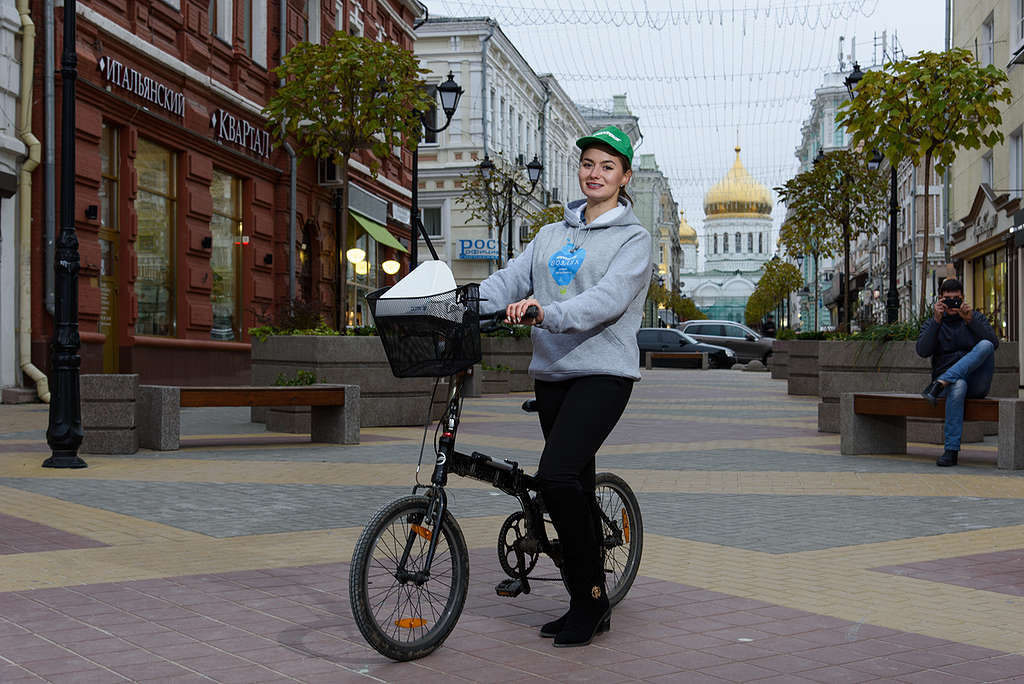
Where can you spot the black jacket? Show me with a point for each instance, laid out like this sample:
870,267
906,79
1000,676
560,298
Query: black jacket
947,342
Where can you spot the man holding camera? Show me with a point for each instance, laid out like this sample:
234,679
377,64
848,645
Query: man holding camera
962,346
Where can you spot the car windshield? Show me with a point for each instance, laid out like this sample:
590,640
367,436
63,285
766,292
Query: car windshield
688,339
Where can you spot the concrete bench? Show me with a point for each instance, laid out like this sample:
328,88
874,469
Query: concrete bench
702,357
334,409
876,423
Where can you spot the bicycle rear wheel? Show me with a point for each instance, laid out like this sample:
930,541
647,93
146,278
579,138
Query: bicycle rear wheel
623,537
403,612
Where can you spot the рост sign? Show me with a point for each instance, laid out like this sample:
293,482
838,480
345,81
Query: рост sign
478,249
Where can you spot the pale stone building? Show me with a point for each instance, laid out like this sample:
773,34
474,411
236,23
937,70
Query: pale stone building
987,184
507,111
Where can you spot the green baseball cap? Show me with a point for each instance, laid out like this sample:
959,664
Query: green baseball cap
611,136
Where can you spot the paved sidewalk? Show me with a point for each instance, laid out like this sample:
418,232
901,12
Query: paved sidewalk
769,557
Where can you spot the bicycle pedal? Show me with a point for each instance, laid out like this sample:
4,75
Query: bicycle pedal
509,588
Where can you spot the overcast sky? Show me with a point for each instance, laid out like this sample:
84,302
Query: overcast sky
705,75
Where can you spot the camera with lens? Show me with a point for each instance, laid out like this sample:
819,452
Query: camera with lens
952,302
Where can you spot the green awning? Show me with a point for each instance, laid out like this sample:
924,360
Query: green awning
378,232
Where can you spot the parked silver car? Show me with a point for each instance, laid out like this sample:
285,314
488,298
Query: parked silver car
747,344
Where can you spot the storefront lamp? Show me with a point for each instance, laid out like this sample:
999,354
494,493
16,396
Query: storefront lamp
362,267
391,266
355,255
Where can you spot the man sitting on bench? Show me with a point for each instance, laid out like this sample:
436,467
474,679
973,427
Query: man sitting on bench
962,344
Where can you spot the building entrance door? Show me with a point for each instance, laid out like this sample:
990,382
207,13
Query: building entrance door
110,244
108,324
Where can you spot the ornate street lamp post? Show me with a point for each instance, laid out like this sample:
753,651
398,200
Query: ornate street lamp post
508,190
64,434
892,297
450,93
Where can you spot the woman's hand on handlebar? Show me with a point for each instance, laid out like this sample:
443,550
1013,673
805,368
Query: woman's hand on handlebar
516,312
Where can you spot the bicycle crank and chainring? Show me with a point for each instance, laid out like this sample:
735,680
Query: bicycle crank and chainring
511,535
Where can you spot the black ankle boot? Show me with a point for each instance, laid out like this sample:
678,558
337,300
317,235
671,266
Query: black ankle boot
947,459
589,611
932,391
588,616
551,629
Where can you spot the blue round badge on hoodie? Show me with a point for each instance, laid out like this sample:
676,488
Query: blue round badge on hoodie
565,263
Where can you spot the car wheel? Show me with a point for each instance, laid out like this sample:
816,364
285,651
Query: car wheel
764,360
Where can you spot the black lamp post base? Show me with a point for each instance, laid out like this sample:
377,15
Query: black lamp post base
65,459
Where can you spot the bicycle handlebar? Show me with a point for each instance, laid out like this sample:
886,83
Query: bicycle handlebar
497,318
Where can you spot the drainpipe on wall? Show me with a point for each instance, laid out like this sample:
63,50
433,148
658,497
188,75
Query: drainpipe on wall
292,168
28,40
49,135
483,117
544,127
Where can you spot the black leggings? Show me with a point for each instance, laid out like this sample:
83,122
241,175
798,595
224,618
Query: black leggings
576,416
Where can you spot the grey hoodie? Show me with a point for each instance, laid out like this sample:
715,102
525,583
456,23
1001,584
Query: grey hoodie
592,292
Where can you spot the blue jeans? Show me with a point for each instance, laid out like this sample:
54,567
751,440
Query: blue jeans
968,378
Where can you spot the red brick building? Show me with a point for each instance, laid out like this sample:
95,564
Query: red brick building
183,204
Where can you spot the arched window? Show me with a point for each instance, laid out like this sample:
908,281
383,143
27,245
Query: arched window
725,243
716,243
739,245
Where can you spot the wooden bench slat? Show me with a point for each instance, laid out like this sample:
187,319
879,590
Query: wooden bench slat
916,406
310,395
676,355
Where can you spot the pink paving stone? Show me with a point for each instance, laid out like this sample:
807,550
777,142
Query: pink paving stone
738,672
18,535
838,675
641,669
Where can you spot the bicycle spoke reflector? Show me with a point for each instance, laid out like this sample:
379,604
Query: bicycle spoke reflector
410,623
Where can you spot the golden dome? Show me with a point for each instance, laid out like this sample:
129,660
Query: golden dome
687,235
738,194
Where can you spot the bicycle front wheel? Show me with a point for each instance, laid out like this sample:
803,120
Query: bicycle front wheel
404,609
623,534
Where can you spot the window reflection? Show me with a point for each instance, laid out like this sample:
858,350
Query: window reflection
155,207
225,259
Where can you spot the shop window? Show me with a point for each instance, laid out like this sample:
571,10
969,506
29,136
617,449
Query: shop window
432,221
990,289
361,273
156,209
226,257
109,174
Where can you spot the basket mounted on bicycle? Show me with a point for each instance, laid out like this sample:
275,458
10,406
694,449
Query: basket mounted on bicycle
429,327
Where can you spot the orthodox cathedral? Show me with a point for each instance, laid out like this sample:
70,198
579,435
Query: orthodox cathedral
737,243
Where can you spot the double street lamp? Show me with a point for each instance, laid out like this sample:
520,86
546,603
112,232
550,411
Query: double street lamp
892,297
450,93
509,189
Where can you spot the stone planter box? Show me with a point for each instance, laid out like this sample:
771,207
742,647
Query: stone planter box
862,366
385,401
778,362
109,413
514,353
802,379
496,381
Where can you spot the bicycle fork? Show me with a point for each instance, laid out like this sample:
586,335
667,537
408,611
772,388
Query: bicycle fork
438,508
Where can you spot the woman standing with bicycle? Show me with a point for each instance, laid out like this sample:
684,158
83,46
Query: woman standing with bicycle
588,277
